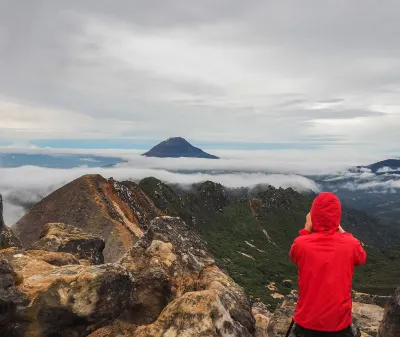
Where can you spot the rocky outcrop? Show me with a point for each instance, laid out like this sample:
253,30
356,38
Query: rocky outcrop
39,299
118,212
7,236
11,300
366,318
59,237
262,315
179,287
167,284
390,326
282,317
370,299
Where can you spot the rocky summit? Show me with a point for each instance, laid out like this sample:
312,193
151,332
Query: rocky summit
181,263
103,208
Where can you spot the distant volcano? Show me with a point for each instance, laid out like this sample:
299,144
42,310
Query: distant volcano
177,147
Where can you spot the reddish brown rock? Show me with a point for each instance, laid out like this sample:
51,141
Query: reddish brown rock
118,212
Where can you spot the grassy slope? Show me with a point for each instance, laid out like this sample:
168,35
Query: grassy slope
227,223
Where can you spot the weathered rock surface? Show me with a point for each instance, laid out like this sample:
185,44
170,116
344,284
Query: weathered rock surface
118,212
7,236
55,259
11,300
262,316
390,326
370,299
45,300
180,290
59,237
282,317
166,285
366,317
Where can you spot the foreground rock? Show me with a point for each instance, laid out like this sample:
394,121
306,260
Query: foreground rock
262,316
59,237
7,237
180,289
11,300
366,317
390,326
38,299
166,285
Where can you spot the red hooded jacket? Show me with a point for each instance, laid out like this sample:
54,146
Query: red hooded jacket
326,260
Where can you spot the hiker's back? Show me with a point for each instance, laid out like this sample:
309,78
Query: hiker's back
326,266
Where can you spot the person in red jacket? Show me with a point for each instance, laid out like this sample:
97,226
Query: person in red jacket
326,256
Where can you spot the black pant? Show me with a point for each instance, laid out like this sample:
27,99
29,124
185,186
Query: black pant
350,331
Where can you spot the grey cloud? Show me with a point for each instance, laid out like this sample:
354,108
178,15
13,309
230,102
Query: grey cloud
310,51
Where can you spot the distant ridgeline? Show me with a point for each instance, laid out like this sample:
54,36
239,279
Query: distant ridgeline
65,161
248,232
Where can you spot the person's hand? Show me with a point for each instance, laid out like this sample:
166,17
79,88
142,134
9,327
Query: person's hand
308,225
341,230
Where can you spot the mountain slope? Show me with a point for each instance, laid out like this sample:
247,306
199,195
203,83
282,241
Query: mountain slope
248,233
250,236
101,207
177,147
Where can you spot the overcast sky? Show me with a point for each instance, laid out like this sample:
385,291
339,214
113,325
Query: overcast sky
220,73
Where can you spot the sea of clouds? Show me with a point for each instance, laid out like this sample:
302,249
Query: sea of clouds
24,186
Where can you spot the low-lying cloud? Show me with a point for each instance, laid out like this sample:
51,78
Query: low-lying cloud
24,186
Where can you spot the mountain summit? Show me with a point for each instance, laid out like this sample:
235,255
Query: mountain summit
177,147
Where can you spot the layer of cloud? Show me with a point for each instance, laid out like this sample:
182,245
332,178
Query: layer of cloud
24,186
225,71
319,160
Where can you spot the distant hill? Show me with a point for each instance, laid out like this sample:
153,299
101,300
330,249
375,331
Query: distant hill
177,147
385,166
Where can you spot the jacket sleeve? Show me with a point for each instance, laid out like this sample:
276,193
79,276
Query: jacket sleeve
292,254
360,256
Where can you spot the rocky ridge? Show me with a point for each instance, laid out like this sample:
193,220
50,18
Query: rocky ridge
166,284
248,231
118,212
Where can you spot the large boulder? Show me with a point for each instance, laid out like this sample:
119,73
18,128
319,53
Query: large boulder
7,236
367,317
390,326
59,237
39,299
179,289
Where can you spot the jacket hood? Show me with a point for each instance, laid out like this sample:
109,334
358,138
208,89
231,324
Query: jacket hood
326,212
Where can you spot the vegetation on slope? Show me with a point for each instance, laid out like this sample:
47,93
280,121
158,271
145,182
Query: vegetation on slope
251,236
